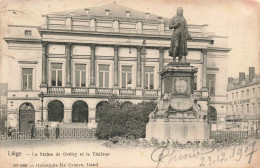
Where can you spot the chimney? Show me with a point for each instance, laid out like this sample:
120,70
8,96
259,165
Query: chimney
230,79
147,15
107,12
127,13
86,11
242,76
251,73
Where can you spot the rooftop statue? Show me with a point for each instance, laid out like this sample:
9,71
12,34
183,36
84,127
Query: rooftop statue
179,38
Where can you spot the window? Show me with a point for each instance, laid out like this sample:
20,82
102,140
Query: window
242,108
247,108
232,109
149,77
80,75
242,94
27,32
258,108
237,95
253,91
56,74
232,95
27,78
253,108
103,76
126,76
236,108
211,84
247,92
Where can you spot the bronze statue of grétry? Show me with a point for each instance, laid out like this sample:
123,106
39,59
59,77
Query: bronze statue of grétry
179,38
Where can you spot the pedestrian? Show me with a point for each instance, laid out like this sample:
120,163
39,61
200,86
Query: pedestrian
9,131
32,131
57,131
46,132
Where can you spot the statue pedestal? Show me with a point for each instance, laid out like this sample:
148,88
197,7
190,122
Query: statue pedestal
179,114
177,130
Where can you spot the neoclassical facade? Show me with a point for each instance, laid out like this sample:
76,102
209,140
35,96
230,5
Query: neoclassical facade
79,59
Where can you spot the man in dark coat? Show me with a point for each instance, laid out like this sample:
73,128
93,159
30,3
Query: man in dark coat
180,34
57,131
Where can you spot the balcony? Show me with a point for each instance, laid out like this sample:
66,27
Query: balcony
97,92
79,90
104,91
56,90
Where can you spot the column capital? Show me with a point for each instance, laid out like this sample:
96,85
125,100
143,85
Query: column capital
204,51
92,46
68,45
116,47
139,48
44,44
161,49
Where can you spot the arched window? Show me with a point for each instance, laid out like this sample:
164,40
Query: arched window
100,109
55,111
80,112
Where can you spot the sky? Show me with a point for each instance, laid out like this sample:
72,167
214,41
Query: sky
237,19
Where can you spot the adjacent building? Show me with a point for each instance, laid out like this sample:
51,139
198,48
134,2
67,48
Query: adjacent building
78,59
243,109
3,105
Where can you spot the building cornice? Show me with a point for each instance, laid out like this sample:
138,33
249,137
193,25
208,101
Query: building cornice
24,40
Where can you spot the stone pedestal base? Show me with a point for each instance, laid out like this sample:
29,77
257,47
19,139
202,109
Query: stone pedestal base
177,130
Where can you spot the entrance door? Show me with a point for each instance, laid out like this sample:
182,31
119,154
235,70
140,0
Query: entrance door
80,112
26,116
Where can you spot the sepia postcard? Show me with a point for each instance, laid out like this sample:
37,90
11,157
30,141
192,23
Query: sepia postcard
129,83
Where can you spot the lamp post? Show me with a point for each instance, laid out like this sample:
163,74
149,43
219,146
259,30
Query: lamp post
143,53
41,95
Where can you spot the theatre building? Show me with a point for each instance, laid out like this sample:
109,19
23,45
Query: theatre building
243,109
78,59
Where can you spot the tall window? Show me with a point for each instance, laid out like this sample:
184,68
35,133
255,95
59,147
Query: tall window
149,77
236,108
237,95
242,94
253,108
253,91
103,76
247,108
80,75
211,84
232,107
232,95
27,78
247,92
126,76
56,74
242,109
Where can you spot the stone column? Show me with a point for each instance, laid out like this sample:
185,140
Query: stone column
204,88
116,74
44,65
68,65
139,68
161,62
67,115
92,66
204,70
92,118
